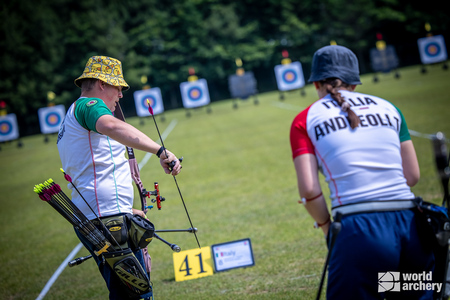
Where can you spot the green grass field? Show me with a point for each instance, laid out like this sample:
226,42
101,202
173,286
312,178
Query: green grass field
238,182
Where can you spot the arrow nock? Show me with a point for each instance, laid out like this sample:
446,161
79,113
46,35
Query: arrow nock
66,176
150,109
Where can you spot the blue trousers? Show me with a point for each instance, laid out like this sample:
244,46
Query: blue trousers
117,291
373,243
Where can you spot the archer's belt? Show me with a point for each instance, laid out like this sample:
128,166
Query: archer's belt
373,206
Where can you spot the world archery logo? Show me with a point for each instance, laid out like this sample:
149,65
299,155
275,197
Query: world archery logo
195,93
397,282
389,282
289,76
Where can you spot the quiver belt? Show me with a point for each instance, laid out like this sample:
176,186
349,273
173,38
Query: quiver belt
129,270
115,229
140,232
128,233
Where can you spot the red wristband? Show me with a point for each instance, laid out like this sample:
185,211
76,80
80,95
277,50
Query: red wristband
317,225
304,200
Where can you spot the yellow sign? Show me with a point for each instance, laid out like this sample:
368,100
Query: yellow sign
192,264
286,61
192,78
381,45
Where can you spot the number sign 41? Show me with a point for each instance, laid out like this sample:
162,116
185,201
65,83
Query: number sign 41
192,264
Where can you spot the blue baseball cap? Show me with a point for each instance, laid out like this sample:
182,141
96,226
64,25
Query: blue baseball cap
335,62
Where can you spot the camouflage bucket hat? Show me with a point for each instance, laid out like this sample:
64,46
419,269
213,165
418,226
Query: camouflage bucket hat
106,69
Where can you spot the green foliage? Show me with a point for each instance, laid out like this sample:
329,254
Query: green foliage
238,181
46,44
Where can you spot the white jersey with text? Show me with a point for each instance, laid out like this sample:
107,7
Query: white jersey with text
360,164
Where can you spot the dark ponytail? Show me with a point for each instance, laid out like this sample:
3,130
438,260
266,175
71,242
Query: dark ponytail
332,87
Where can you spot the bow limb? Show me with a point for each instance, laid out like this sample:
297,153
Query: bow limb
134,169
135,175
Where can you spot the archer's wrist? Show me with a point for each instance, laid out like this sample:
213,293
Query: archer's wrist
325,223
160,151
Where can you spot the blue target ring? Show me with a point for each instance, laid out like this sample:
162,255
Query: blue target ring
5,127
52,119
433,49
195,93
149,98
289,76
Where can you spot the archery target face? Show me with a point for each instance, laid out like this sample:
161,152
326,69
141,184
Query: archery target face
194,93
153,96
8,128
289,76
5,127
432,49
50,118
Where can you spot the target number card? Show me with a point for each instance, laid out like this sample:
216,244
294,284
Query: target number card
231,255
192,264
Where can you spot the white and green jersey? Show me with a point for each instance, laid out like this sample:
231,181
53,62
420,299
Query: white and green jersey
96,162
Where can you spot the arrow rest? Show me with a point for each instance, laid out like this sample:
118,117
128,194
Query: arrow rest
156,193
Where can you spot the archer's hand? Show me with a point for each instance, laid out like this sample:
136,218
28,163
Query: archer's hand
138,212
164,160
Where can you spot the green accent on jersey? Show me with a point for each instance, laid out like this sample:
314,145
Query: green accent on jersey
114,174
404,132
88,110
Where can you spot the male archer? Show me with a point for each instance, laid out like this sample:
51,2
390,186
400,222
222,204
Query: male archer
91,147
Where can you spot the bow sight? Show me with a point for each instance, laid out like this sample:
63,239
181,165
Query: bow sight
156,193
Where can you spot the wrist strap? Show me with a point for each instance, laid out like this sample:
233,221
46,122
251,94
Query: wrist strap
304,200
317,225
160,151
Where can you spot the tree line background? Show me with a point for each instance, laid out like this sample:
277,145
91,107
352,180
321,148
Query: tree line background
45,44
